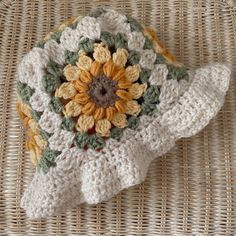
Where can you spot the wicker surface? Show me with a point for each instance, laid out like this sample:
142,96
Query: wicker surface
189,191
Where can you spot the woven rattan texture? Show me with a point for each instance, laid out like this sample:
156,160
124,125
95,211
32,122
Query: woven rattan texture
189,191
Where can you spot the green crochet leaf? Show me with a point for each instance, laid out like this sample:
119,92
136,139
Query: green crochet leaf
121,41
152,94
96,141
108,39
68,124
134,57
56,104
55,69
134,25
24,91
81,139
159,59
133,122
148,44
116,133
48,159
71,57
56,36
36,115
86,45
40,44
148,108
177,73
144,75
50,83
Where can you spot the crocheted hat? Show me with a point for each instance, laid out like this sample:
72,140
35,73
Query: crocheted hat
101,97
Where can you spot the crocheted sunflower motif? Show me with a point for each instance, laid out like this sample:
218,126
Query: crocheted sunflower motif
101,97
93,82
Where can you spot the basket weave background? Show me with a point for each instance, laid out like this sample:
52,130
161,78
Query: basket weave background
189,191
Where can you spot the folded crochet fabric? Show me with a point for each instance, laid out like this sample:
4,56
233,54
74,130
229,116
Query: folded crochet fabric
101,97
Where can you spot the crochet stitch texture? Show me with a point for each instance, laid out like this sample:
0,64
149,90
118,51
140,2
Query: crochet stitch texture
101,97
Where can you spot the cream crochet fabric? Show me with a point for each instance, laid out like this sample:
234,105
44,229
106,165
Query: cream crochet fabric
101,98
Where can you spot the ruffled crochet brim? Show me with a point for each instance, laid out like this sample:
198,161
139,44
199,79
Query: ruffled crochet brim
93,177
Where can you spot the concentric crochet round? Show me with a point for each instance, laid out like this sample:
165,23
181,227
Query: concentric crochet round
100,95
89,81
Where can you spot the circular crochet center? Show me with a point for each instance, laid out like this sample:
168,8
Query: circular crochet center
103,91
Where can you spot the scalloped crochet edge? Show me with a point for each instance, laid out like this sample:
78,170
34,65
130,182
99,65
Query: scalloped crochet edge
73,180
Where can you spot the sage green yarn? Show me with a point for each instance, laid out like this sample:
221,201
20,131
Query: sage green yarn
108,39
148,108
40,44
55,69
56,104
48,159
148,44
68,124
121,41
56,36
24,91
159,59
86,45
134,25
96,141
81,139
144,75
97,12
71,57
45,135
151,95
133,122
134,57
116,133
177,73
36,115
50,83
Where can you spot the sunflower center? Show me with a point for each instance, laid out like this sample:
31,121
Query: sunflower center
103,91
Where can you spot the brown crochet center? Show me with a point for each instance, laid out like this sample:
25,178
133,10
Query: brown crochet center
103,91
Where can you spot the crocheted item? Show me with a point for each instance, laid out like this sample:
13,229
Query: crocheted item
101,97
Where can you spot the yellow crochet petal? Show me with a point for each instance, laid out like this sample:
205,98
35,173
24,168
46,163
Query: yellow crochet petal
118,74
71,72
132,108
137,90
81,98
89,108
124,94
120,105
84,62
85,77
66,91
80,86
110,112
99,113
84,123
96,68
132,73
103,127
101,54
120,57
72,109
124,83
119,120
109,68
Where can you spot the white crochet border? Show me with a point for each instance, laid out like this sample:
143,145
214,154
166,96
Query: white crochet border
93,177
